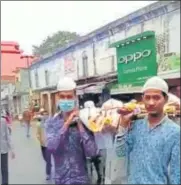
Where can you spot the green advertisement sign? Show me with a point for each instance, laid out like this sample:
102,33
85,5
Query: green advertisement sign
169,62
136,59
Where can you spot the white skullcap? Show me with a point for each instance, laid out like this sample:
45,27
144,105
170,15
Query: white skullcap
156,83
42,110
66,84
89,104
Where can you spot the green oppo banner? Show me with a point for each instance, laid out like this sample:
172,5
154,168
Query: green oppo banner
136,59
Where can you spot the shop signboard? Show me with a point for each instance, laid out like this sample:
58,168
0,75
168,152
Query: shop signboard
168,48
70,68
136,59
169,65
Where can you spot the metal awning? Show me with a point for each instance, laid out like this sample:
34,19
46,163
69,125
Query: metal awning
170,75
48,88
126,90
19,93
96,89
93,88
80,88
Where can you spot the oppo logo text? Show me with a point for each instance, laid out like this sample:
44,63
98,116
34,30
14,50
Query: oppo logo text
134,57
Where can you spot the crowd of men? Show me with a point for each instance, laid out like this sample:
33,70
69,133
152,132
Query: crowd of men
151,145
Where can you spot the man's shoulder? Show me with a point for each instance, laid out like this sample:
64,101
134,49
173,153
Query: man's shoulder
171,126
54,121
137,123
171,131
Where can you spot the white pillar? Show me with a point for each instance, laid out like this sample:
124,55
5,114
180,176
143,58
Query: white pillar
49,103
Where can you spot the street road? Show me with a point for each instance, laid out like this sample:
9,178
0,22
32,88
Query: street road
28,167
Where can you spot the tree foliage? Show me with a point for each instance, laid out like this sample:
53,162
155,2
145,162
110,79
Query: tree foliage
52,43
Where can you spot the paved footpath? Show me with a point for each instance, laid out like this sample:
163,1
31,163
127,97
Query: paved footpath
28,167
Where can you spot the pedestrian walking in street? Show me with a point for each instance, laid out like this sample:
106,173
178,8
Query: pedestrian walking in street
68,139
104,141
97,161
20,118
41,136
27,121
152,144
8,119
6,148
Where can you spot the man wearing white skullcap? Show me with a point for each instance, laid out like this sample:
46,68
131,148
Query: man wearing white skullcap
68,139
153,143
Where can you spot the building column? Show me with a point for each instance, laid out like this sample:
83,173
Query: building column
41,100
46,102
49,103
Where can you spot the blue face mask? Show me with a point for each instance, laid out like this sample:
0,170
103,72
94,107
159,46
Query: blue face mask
66,105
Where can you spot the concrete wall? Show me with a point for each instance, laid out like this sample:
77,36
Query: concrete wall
22,89
7,91
100,58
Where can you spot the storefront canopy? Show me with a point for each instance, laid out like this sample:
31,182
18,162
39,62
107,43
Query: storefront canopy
126,90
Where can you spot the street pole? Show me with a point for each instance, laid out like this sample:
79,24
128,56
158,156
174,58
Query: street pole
29,75
29,80
94,57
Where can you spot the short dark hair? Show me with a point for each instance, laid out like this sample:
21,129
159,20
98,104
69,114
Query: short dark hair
164,94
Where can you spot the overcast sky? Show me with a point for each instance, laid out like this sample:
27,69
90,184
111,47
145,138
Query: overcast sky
29,22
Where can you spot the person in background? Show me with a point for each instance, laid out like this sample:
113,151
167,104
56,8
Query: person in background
27,121
8,119
178,95
96,160
152,144
104,141
20,118
175,99
68,139
6,148
175,90
42,139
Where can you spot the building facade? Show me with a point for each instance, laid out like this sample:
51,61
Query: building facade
11,58
21,92
91,56
7,90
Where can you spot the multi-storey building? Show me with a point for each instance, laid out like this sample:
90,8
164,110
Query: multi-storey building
91,60
21,92
11,58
